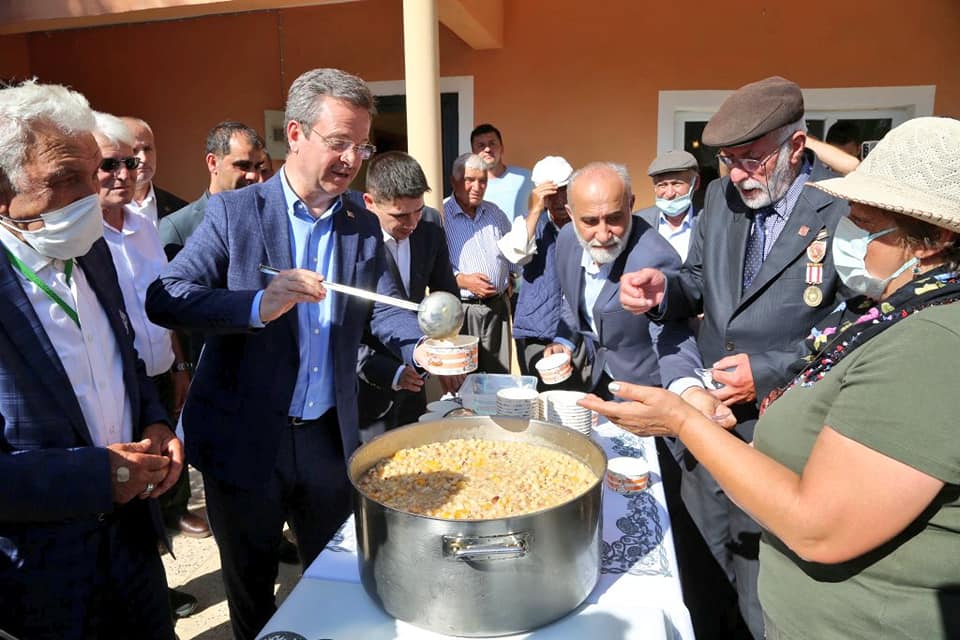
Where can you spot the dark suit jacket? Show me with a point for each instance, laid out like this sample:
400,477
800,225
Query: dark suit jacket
176,228
377,365
167,203
770,320
240,395
652,217
53,476
633,348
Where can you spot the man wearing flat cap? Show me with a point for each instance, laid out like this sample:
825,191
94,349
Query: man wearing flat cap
761,272
675,176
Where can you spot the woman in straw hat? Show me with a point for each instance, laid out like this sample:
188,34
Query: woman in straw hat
854,472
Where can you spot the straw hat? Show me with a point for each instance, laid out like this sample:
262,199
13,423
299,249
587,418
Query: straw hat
914,170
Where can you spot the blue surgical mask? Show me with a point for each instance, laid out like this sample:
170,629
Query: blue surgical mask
849,257
679,204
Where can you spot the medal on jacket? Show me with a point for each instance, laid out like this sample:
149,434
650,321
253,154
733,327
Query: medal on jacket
816,251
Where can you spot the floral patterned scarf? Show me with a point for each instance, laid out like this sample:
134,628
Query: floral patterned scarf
859,319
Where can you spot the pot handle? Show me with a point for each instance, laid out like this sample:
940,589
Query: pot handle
473,548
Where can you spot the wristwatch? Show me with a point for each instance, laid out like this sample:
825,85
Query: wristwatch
181,366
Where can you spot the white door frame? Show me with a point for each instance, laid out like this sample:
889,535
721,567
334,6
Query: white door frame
461,85
676,107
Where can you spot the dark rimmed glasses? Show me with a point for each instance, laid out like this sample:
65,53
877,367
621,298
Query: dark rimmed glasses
112,165
341,146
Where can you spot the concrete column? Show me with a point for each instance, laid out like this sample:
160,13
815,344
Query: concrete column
421,58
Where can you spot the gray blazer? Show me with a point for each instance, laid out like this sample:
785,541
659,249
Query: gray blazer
770,320
632,347
180,225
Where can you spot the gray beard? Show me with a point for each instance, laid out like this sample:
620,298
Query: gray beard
609,253
776,187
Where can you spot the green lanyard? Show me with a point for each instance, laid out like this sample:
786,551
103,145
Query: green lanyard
30,275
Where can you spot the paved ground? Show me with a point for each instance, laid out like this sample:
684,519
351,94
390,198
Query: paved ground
197,571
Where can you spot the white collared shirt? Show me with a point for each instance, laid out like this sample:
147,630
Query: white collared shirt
147,208
517,246
400,250
89,353
594,276
679,239
138,257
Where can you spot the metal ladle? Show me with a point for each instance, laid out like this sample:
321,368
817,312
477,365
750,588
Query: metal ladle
440,314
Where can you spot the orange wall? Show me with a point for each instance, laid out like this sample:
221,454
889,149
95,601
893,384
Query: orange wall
570,80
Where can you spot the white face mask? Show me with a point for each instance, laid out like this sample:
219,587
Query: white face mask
679,204
68,232
849,257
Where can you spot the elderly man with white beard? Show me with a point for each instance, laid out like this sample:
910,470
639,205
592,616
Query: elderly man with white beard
761,272
603,242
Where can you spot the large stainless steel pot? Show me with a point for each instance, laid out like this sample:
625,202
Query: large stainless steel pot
480,577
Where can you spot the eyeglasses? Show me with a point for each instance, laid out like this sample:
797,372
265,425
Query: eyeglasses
112,165
341,146
750,165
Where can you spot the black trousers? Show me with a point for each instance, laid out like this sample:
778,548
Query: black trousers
309,489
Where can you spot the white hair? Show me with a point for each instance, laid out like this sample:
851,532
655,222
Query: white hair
112,129
29,106
466,161
789,129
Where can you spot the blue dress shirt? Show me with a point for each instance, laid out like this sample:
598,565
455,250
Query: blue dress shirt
312,247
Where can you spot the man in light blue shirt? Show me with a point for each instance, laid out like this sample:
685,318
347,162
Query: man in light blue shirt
508,187
271,416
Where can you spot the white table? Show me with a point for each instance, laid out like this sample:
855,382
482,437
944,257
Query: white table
638,595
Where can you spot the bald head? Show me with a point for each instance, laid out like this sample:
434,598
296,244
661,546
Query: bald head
599,178
144,147
600,202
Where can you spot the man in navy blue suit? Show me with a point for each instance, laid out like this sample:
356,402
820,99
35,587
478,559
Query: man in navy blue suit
85,445
271,415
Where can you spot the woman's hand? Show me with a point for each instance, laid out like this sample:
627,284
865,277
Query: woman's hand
710,406
651,411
